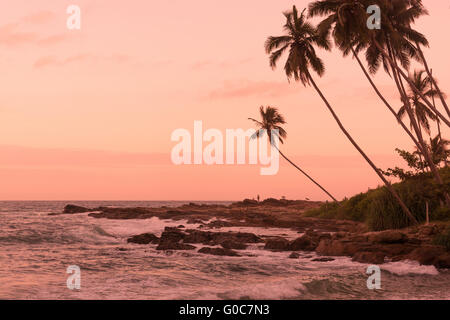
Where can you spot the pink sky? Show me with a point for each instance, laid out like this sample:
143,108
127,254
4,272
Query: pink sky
88,114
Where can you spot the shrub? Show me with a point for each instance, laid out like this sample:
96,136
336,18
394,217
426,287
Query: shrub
380,211
443,239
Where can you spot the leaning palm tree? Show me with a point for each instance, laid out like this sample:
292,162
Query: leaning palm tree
420,110
439,150
271,124
345,20
299,40
396,42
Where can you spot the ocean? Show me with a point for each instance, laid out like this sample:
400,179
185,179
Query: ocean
36,249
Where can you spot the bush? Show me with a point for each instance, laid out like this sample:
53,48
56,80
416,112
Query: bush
380,211
443,239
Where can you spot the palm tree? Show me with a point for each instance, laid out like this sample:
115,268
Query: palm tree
439,150
346,22
418,4
420,110
270,124
394,41
299,39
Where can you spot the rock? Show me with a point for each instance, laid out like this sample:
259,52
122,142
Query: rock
220,224
218,251
369,257
171,235
443,261
304,243
215,238
180,226
428,255
71,209
329,247
323,259
194,221
197,236
144,238
428,230
230,244
294,255
174,246
278,244
388,236
249,202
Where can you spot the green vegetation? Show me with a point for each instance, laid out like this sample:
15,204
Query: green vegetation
379,210
391,47
443,239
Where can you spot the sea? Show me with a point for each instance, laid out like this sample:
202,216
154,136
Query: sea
39,253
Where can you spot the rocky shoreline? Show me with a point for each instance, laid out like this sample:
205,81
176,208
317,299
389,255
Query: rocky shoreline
326,237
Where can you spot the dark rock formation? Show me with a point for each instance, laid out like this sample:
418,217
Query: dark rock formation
219,252
323,259
231,244
144,238
174,246
369,257
294,255
71,209
277,244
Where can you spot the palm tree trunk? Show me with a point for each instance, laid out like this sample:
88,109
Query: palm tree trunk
298,168
430,74
413,138
434,104
413,87
426,153
374,167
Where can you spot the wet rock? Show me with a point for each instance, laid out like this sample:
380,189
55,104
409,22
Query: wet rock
428,230
428,255
294,255
194,221
215,238
219,252
278,244
304,243
329,247
174,246
220,224
388,236
443,261
171,234
144,238
369,257
323,259
71,209
231,244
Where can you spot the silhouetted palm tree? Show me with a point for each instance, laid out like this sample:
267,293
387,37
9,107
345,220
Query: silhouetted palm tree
299,40
271,124
397,42
420,110
394,41
346,22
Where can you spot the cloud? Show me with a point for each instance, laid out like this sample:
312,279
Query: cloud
219,64
39,17
10,36
15,156
251,88
54,39
53,61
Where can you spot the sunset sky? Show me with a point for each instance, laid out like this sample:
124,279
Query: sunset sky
88,114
